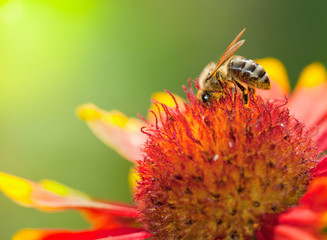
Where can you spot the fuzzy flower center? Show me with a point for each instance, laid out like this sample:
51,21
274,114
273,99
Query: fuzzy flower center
214,171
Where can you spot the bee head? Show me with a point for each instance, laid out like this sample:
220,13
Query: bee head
204,96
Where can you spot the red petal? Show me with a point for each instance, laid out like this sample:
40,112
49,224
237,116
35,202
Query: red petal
316,196
321,169
310,104
307,220
102,234
284,232
309,100
299,216
321,137
52,196
103,219
115,130
132,236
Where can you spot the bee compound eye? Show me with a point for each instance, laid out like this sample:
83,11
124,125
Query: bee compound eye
206,97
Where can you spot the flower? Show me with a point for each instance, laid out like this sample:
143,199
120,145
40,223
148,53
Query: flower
217,171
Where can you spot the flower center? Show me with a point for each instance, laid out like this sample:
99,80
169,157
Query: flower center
214,171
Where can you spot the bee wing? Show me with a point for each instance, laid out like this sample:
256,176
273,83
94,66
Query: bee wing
229,53
232,48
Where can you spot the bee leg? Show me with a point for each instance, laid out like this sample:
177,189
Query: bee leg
245,93
251,91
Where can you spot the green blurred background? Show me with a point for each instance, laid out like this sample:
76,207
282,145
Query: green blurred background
56,55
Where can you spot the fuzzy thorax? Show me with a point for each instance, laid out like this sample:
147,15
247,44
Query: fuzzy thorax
214,171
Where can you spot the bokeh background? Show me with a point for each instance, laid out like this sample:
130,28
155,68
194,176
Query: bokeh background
56,55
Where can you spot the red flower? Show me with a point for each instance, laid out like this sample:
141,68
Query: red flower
221,171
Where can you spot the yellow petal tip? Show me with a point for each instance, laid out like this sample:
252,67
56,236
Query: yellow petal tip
28,234
116,118
55,187
88,112
17,189
133,178
312,75
165,98
61,189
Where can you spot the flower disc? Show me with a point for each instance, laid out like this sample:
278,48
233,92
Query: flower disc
214,171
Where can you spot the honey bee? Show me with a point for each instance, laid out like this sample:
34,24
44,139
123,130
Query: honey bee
232,69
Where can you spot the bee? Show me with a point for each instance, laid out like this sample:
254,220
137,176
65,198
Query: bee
232,71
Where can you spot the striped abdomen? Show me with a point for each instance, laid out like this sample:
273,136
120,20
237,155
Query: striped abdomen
248,72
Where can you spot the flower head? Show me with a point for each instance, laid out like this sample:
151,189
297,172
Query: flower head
213,168
217,171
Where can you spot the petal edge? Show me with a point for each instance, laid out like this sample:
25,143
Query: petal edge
115,130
